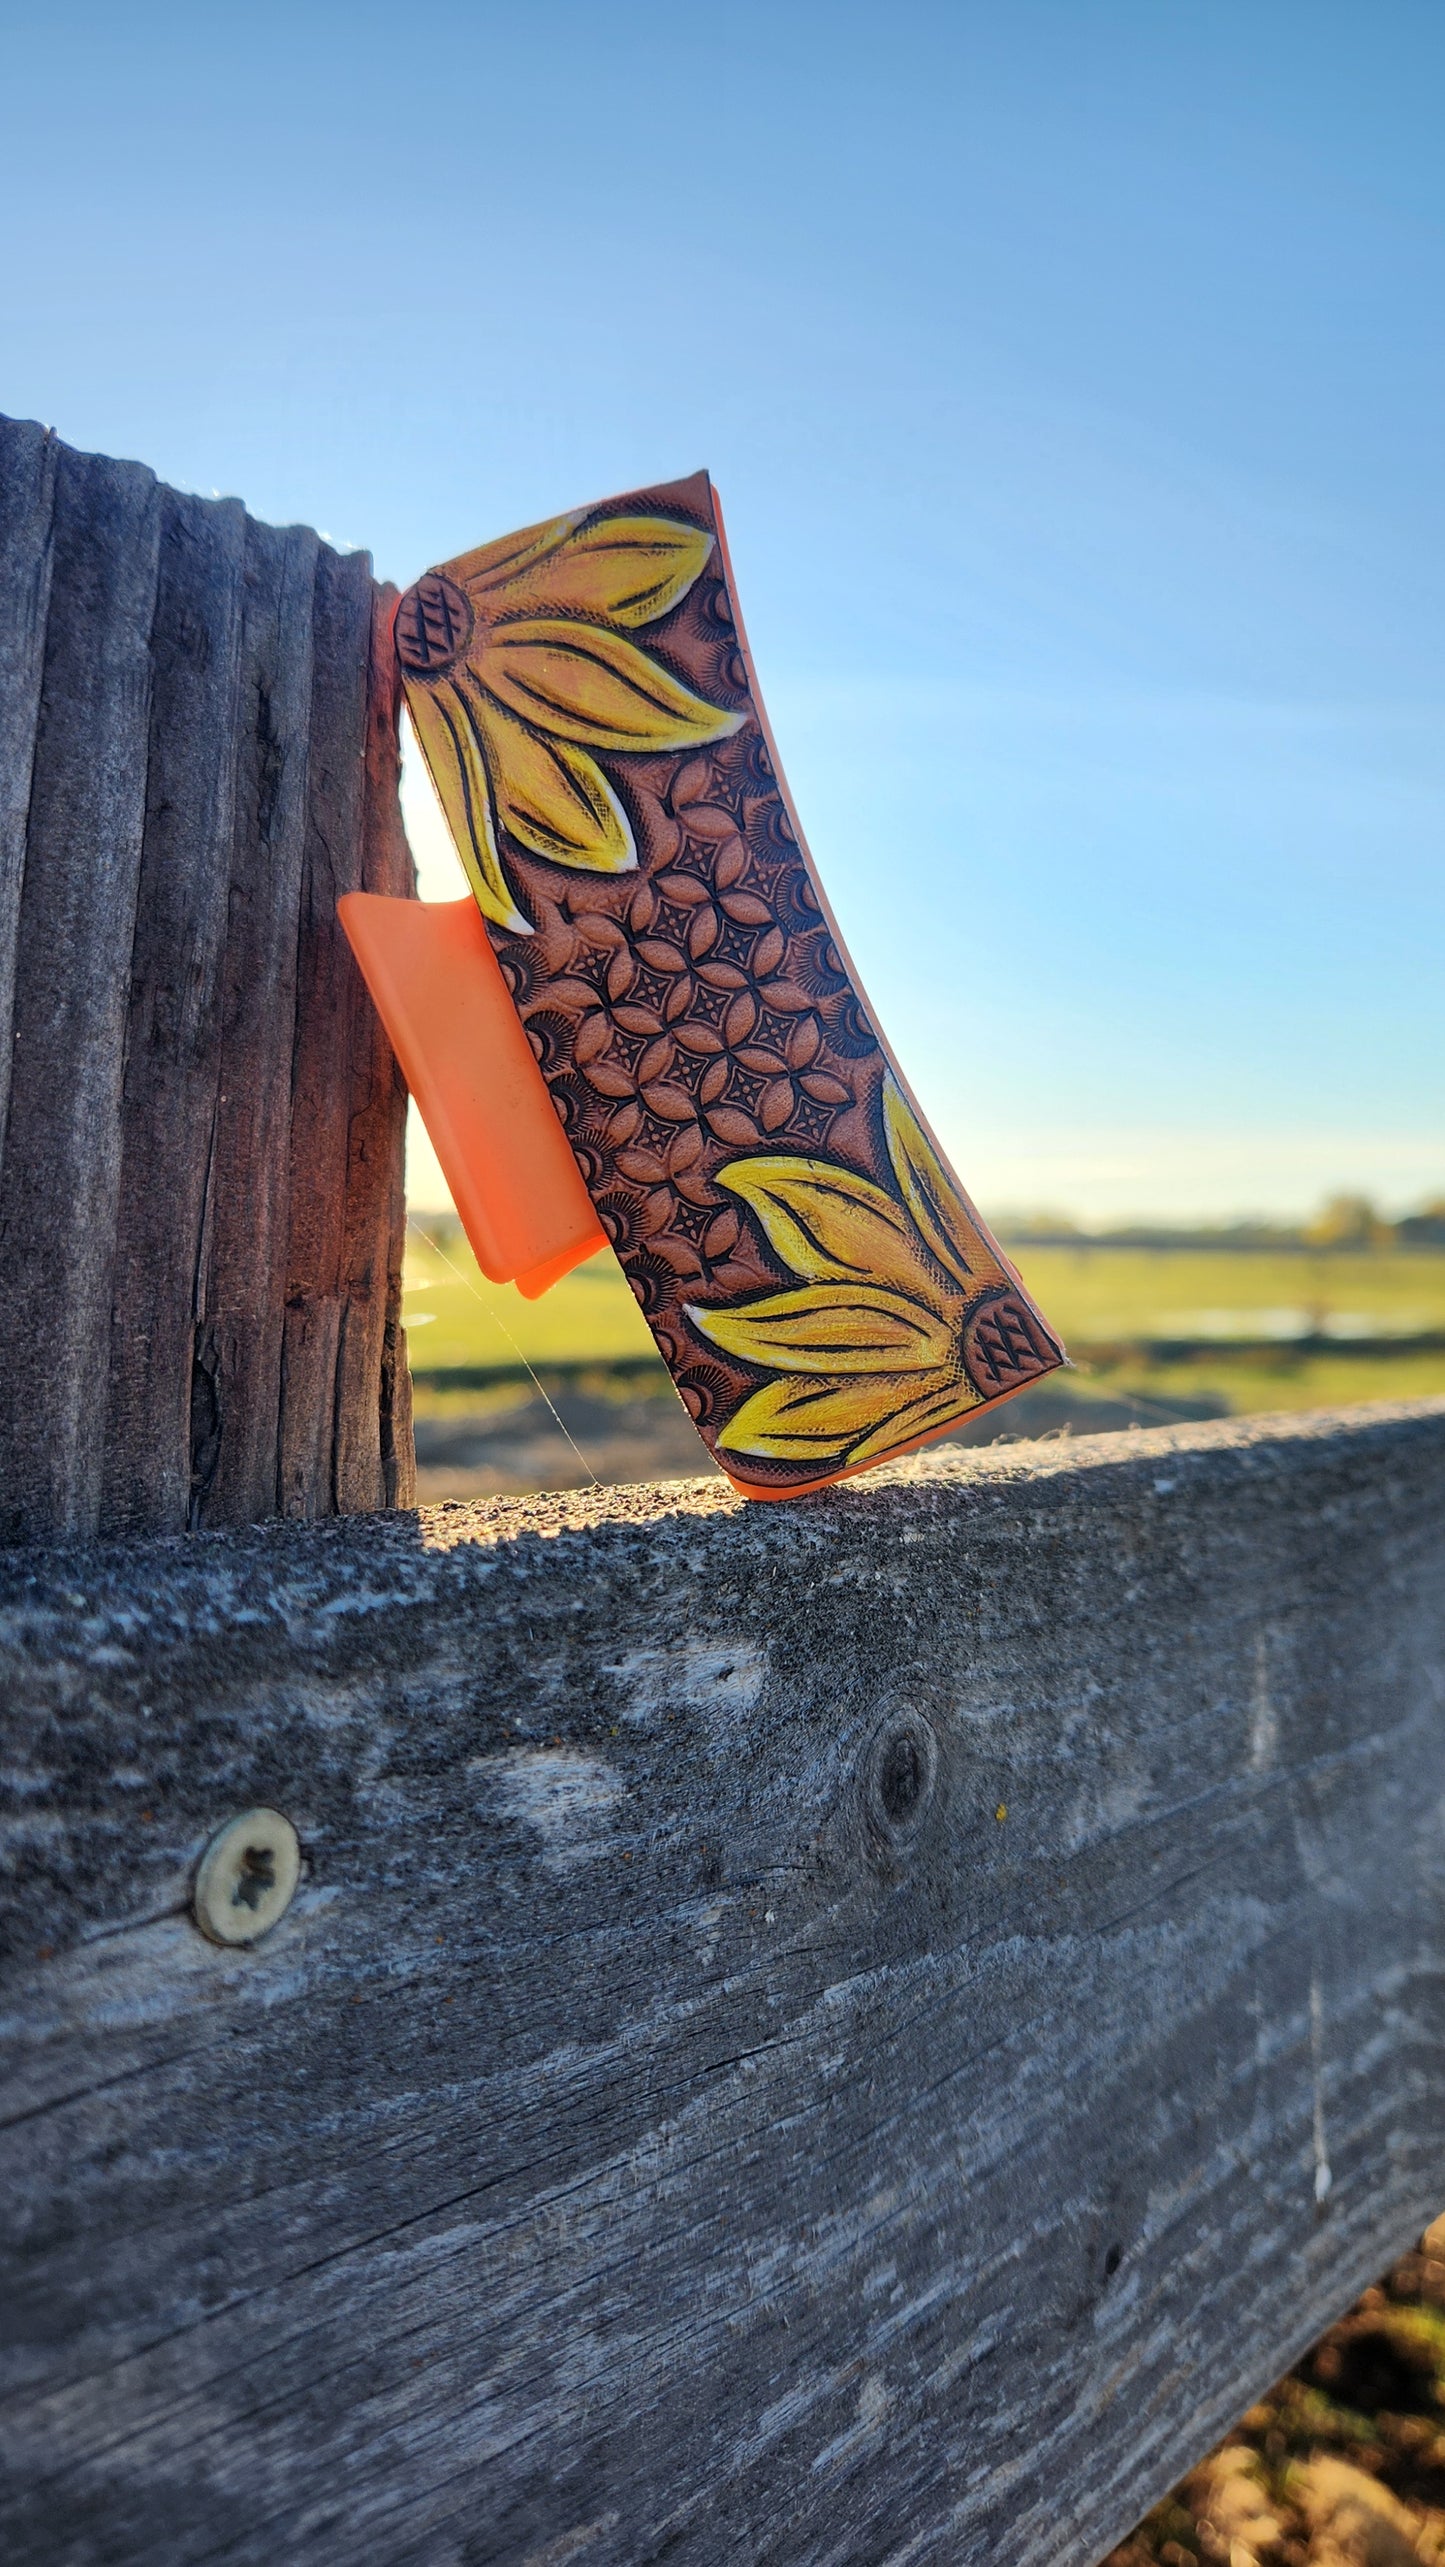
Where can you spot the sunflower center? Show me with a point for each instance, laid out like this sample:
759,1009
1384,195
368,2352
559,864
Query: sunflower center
433,626
1003,1345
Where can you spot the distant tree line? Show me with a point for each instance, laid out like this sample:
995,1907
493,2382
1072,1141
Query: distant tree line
1345,1222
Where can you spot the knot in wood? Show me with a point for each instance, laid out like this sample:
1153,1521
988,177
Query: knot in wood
900,1772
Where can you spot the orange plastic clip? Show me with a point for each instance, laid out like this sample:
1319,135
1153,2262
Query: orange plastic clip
464,1052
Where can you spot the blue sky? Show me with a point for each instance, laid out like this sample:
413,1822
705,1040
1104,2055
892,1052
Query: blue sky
1072,373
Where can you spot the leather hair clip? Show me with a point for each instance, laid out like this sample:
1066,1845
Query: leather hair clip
643,1030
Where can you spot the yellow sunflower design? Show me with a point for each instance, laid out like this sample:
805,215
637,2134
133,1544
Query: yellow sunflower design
896,1296
517,665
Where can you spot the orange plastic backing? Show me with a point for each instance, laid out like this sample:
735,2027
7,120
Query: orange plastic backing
465,1056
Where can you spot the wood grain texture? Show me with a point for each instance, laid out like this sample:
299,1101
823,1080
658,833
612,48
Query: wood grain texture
321,1104
173,1046
59,1186
27,501
201,1212
682,2115
244,1294
375,1456
347,1133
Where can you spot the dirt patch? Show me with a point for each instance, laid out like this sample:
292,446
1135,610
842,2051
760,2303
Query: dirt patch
1343,2463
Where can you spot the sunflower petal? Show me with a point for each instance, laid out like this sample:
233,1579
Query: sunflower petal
453,753
628,570
554,799
819,1421
831,1226
932,1197
577,682
830,1328
928,1413
493,566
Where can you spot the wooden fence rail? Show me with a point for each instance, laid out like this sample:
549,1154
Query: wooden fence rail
864,2031
200,1172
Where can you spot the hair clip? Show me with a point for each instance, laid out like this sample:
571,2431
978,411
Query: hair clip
643,1031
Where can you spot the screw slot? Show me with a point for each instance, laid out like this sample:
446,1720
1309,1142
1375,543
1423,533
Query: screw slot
247,1877
901,1772
257,1878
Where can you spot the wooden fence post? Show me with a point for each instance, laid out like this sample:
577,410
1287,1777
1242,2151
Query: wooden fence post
201,1204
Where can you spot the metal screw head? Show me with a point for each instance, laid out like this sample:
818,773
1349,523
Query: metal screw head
247,1877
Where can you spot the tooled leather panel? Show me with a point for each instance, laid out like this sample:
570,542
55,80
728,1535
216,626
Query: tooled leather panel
694,1015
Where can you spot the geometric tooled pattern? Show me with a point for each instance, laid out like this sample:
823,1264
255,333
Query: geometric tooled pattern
679,1020
1003,1346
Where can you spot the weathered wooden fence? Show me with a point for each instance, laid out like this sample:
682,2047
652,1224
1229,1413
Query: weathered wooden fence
866,2030
861,2031
200,1186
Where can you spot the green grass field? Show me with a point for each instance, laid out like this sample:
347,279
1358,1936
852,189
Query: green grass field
1105,1295
1108,1303
454,1317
